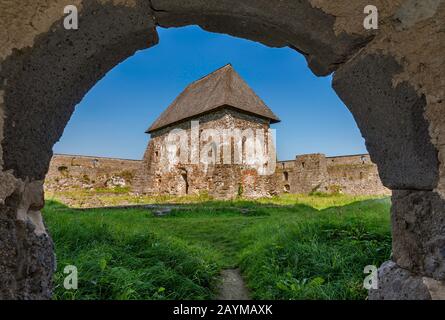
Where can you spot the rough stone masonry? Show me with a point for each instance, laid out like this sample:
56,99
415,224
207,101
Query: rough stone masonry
391,79
233,106
211,114
351,174
223,102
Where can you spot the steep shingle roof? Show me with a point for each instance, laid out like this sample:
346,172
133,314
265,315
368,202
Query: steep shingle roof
222,88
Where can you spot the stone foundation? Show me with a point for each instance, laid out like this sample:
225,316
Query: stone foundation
417,269
26,250
418,228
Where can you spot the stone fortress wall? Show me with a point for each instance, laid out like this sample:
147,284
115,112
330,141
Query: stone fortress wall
354,174
351,174
86,172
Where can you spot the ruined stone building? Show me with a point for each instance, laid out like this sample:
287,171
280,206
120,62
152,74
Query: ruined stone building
223,101
214,139
349,174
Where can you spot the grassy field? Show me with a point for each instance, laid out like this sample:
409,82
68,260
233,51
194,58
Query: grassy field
291,247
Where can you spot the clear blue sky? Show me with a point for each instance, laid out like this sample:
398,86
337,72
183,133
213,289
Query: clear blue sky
112,117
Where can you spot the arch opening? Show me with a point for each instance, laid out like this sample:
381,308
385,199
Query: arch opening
40,84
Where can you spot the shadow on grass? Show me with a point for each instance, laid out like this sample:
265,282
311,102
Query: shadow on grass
240,207
214,208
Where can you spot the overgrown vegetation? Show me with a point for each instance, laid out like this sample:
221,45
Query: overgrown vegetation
289,247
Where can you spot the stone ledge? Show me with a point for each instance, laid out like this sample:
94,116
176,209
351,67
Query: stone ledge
396,283
418,229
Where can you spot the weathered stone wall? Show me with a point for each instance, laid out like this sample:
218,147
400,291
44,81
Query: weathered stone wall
220,180
356,175
304,175
73,171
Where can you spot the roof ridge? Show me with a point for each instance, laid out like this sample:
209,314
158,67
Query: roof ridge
210,74
228,84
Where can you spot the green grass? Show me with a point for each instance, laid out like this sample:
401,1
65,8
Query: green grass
86,198
289,247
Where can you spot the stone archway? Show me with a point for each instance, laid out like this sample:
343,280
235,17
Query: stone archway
392,85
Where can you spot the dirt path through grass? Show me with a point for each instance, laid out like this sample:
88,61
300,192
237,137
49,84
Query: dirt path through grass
233,286
315,249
